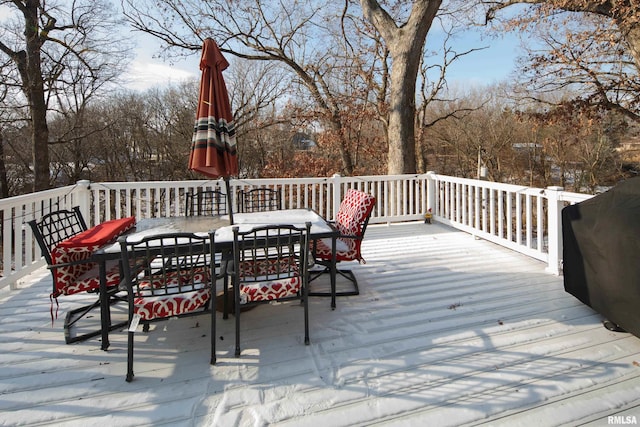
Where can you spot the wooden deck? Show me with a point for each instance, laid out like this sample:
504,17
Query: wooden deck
447,330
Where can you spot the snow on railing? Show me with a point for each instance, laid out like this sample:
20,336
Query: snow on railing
524,219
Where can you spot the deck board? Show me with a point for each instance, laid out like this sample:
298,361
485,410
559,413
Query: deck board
447,330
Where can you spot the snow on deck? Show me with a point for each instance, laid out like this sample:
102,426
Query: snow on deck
447,331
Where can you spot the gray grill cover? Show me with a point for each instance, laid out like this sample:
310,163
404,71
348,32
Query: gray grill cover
601,256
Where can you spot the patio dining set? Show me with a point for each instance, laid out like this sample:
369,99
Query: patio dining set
163,268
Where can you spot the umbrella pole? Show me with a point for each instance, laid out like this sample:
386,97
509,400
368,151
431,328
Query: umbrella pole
229,199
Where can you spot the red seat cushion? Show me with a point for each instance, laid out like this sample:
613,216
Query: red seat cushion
100,234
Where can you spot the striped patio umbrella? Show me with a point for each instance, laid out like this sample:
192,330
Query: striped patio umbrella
213,146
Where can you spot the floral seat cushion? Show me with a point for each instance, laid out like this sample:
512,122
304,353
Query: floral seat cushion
179,292
271,279
89,280
346,249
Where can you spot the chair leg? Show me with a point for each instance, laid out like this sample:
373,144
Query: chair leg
225,304
84,310
236,293
306,314
348,274
130,356
213,327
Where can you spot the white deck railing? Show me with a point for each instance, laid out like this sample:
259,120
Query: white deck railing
524,219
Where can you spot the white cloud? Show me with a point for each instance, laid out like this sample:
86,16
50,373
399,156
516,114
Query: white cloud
147,70
142,75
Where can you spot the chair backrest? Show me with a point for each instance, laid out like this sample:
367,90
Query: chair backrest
352,219
267,254
56,227
354,213
168,274
206,202
259,200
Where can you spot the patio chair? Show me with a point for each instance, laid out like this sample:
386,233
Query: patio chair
168,275
67,246
351,222
212,203
259,200
270,264
206,202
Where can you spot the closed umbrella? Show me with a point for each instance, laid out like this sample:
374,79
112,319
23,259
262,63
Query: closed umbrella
213,146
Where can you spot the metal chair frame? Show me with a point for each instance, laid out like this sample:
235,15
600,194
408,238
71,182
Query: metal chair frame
213,203
206,202
168,266
259,200
52,229
346,273
265,255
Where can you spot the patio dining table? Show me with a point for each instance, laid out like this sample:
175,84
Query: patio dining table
320,229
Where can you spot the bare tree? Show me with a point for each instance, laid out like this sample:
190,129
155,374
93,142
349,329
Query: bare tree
42,40
622,13
472,124
257,89
149,134
588,47
16,161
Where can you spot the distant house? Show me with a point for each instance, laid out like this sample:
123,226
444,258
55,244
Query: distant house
303,141
526,146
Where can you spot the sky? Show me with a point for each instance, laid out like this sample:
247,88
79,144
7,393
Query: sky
492,64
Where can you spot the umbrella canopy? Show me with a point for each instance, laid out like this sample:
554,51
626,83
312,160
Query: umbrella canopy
213,146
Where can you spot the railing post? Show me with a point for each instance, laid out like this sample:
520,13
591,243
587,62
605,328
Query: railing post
83,193
336,197
431,192
554,230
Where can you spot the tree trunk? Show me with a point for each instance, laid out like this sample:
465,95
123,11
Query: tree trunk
345,153
4,183
31,73
402,103
405,43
